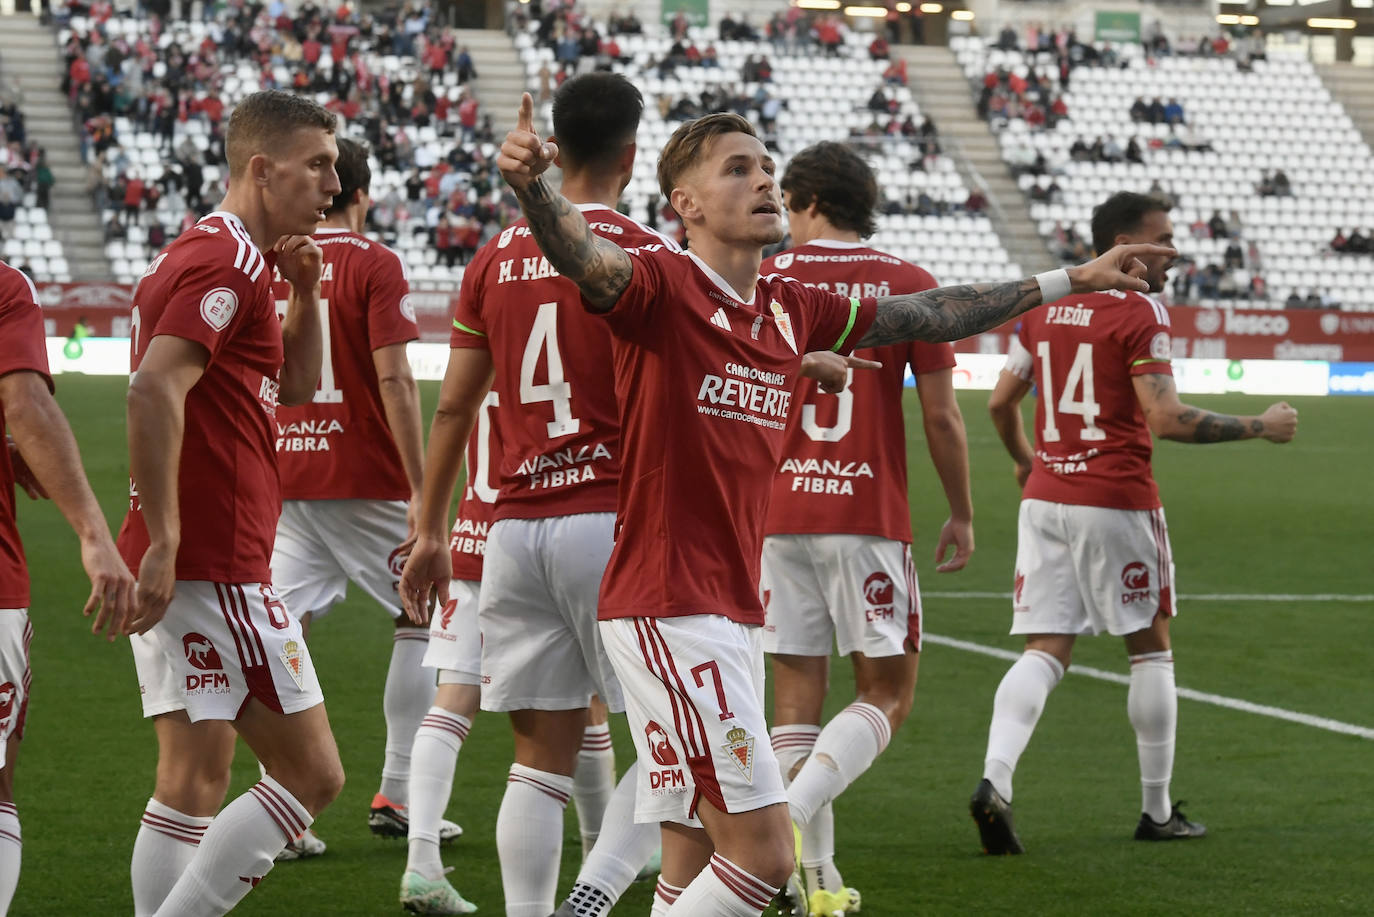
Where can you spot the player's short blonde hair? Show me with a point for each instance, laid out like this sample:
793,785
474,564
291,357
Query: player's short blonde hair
265,121
685,147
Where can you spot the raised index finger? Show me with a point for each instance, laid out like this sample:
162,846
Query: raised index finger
525,121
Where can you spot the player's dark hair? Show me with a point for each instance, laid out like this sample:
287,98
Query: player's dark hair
684,148
838,181
354,172
1123,213
595,116
267,120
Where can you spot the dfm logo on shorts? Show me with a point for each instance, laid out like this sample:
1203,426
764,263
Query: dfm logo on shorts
201,654
878,591
1017,587
7,695
1135,577
670,774
396,563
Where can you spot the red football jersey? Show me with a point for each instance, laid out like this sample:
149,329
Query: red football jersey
339,446
25,349
705,384
844,456
1092,444
212,285
467,541
560,434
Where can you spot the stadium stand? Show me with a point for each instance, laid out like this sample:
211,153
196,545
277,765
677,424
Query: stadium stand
804,94
1245,123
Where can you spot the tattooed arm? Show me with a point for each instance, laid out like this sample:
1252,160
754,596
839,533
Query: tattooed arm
600,268
951,313
1170,418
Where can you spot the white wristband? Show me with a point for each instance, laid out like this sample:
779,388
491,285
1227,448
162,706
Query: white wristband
1054,285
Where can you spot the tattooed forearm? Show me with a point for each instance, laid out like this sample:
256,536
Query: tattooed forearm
599,267
949,313
1219,428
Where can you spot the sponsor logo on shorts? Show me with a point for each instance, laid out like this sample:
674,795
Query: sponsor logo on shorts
739,745
396,563
1017,587
446,616
201,654
7,696
294,660
668,778
1135,577
878,589
659,745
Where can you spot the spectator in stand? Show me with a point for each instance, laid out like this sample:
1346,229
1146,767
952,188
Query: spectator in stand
1155,113
1173,113
1217,225
467,113
976,203
133,198
878,49
43,180
1359,243
1006,39
1294,301
114,230
828,35
1282,187
467,71
896,73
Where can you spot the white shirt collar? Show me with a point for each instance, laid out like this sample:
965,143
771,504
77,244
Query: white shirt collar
834,243
719,281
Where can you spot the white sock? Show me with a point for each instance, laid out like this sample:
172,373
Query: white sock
237,851
1016,708
623,848
664,897
405,700
432,760
166,842
791,746
11,852
846,747
593,782
1152,705
529,839
722,889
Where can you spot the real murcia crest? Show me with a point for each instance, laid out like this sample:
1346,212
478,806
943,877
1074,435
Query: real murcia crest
784,323
739,745
291,658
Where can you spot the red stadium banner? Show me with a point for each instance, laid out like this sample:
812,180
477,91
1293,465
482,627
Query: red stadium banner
1224,334
1245,334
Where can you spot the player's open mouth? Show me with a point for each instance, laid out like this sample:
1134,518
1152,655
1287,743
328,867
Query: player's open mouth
767,208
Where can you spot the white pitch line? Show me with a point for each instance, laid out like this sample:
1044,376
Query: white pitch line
1187,597
1231,703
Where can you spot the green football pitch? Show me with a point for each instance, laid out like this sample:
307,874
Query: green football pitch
1272,545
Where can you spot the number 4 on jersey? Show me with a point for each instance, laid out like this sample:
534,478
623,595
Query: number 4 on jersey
544,337
1086,407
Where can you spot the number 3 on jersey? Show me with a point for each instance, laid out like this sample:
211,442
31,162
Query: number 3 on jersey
1080,377
544,337
326,393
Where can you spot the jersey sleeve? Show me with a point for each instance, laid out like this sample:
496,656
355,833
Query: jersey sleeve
1146,340
834,322
21,327
1019,362
469,327
926,357
632,316
390,311
205,304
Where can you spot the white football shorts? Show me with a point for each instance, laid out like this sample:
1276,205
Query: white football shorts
220,644
694,700
1089,569
541,649
455,640
322,544
858,590
15,635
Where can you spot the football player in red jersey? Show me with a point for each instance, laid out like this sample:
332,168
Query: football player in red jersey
350,463
210,362
520,324
42,457
1092,547
837,566
706,356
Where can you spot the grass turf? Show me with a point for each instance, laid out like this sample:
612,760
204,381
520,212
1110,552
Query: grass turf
1287,805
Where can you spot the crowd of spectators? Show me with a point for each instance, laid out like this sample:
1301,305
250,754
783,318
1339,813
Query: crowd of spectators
164,89
1274,184
1007,95
1357,243
23,167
